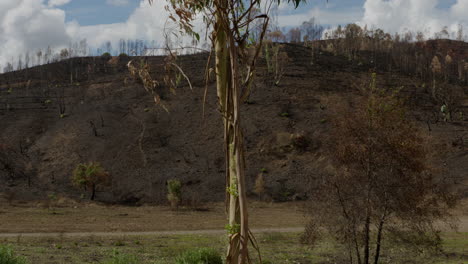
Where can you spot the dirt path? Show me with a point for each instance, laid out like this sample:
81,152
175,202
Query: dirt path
97,220
93,218
151,233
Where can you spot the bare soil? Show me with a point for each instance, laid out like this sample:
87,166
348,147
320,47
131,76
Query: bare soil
100,218
83,219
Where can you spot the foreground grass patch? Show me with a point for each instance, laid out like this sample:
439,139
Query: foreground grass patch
7,256
275,248
201,255
121,258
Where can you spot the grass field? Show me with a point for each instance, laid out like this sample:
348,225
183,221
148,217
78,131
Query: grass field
165,244
275,248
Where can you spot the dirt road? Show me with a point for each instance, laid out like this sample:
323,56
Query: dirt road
102,220
95,218
153,233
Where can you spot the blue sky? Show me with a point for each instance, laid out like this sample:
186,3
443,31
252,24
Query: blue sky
93,12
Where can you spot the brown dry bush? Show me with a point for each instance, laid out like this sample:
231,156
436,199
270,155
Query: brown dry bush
379,183
259,188
13,165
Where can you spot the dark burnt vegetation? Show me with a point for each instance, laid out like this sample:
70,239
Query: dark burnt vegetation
14,166
91,108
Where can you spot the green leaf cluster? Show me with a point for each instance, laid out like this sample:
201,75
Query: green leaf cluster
87,174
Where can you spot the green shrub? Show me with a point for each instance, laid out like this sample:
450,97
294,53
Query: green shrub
123,55
7,256
90,175
106,56
119,243
174,192
121,258
52,202
200,256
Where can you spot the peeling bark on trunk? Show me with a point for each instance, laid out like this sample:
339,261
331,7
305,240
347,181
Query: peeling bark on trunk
227,80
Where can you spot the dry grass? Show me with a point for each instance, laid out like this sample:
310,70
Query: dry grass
91,217
275,247
161,249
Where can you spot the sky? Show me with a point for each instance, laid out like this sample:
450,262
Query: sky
30,25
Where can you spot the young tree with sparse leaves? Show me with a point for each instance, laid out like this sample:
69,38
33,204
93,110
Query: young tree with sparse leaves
90,176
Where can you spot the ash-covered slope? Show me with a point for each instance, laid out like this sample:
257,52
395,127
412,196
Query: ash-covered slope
88,109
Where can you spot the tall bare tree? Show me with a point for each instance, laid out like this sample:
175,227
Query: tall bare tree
294,35
231,21
311,30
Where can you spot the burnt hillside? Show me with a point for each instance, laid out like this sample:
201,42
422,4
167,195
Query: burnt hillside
89,109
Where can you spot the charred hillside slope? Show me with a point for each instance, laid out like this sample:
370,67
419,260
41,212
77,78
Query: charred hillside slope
90,109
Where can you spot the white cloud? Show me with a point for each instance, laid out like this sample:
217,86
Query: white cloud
389,15
285,7
460,9
29,25
323,16
147,22
117,2
53,3
414,15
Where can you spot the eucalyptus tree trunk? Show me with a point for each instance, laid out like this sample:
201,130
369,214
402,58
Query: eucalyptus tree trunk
229,95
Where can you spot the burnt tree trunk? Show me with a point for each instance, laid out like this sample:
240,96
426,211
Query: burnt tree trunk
93,192
379,239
